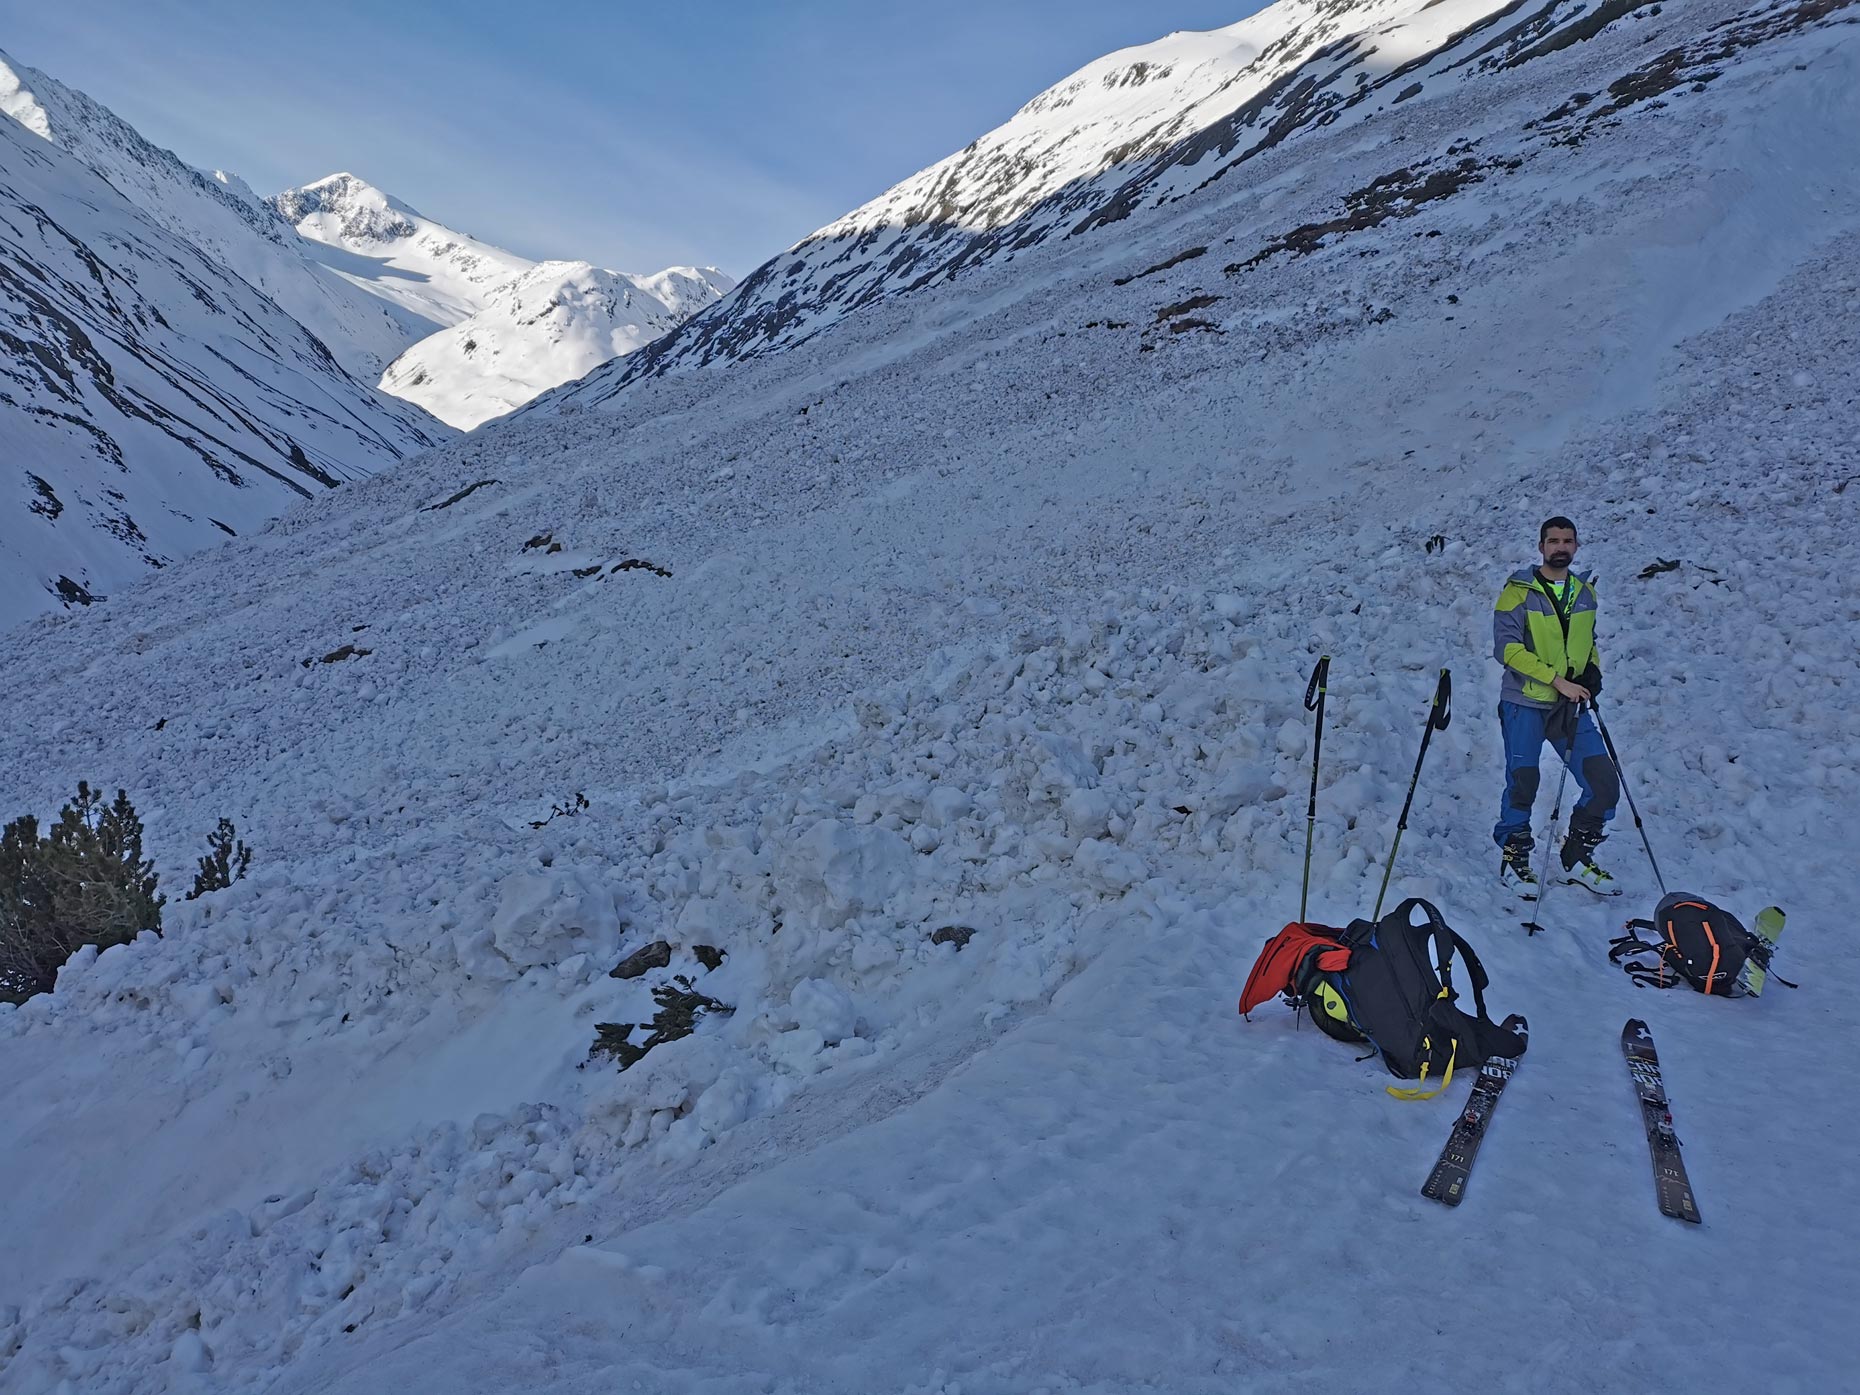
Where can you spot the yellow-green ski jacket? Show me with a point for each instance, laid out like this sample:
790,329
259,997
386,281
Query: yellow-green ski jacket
1536,642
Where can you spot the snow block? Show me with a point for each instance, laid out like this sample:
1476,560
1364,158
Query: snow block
1107,867
824,1007
546,918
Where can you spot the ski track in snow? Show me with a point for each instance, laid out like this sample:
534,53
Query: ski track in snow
956,647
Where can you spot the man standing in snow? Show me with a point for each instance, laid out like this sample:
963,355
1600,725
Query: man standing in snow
1543,632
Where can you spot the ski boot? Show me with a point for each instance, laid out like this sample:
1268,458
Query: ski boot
1579,865
1515,861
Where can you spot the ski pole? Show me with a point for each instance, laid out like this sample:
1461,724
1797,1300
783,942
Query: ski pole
1438,715
1531,927
1314,702
1621,775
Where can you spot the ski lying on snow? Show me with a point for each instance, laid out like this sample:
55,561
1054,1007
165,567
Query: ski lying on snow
1447,1182
1669,1168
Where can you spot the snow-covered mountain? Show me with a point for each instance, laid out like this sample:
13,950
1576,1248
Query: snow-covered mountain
364,272
934,691
541,328
218,213
383,247
1139,129
685,290
510,328
151,402
156,408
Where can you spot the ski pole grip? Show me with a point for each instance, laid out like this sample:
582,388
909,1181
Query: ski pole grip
1443,702
1320,677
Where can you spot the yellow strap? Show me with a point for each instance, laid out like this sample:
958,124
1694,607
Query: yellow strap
1445,1080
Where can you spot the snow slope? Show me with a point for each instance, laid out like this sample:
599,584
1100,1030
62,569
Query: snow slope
380,245
990,610
151,402
541,328
217,213
685,290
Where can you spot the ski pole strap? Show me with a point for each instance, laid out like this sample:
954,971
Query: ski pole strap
1442,711
1320,678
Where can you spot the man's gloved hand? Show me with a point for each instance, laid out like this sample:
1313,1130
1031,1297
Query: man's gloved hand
1560,724
1592,678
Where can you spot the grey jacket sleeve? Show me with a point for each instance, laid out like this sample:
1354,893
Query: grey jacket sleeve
1507,629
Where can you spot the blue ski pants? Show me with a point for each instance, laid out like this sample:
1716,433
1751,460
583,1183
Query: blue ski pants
1586,757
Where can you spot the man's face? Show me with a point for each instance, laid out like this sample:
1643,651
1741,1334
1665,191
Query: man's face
1558,547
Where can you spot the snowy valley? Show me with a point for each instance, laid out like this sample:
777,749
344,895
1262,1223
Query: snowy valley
547,325
185,360
502,329
152,403
895,673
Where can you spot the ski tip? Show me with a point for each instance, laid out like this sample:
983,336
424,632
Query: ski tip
1635,1030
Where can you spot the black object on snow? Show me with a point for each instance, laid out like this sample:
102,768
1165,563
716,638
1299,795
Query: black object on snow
1669,1168
1447,1182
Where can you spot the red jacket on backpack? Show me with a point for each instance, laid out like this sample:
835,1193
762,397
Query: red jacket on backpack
1284,952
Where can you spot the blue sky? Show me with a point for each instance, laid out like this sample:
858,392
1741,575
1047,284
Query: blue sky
633,135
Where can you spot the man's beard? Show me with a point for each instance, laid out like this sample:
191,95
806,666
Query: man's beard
1561,559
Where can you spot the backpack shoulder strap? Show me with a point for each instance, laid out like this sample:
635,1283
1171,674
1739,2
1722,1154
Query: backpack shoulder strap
1439,934
1625,950
1446,940
1645,976
1626,946
1475,971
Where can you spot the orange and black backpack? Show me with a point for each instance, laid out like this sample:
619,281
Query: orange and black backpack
1700,943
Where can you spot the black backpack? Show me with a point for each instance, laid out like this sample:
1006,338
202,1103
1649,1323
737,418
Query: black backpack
1397,994
1701,943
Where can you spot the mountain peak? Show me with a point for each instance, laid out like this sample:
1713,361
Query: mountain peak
374,240
213,210
19,101
347,210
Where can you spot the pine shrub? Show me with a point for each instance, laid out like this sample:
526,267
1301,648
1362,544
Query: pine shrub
85,882
225,862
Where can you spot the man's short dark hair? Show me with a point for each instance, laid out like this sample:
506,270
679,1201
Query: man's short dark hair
1558,522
